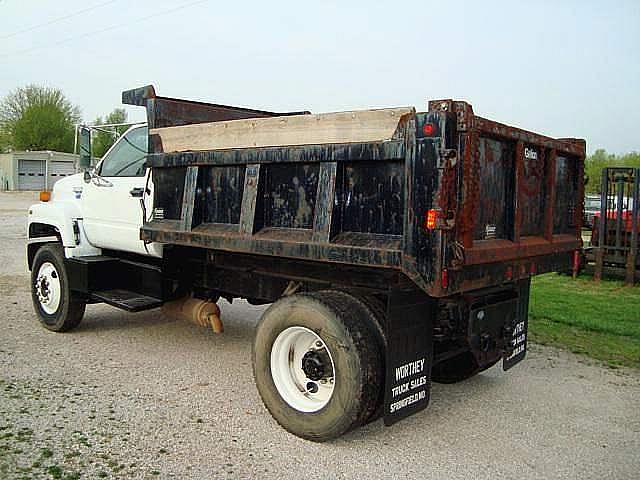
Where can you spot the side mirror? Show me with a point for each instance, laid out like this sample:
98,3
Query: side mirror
85,149
87,176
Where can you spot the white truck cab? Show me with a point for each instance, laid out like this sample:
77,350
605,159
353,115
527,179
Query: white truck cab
102,210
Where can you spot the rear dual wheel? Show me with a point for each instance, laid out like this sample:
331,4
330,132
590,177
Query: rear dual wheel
318,364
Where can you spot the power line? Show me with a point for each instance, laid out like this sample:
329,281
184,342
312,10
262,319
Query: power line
56,20
106,29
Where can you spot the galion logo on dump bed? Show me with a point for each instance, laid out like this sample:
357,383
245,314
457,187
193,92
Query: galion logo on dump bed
530,154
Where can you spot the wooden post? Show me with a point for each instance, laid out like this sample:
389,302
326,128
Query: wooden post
602,227
248,210
188,198
324,202
633,248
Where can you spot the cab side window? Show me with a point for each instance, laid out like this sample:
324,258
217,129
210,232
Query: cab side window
127,157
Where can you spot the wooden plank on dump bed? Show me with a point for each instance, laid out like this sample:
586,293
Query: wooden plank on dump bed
340,127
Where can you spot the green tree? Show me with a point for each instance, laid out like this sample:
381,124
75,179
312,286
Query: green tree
600,159
37,118
5,141
102,139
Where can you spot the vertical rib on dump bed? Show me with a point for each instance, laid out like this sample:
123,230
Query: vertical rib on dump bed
353,188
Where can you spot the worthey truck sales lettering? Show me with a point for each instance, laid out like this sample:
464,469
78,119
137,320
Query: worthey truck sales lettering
412,368
405,387
414,387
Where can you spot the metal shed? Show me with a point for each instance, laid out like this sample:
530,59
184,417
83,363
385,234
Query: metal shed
37,170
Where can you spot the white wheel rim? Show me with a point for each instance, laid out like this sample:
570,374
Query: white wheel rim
305,390
48,288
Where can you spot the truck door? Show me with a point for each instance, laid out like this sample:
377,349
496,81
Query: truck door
112,213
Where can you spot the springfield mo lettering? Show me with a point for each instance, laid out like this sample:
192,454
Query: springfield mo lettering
416,397
403,372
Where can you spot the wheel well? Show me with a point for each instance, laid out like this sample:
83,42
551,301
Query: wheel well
38,230
32,249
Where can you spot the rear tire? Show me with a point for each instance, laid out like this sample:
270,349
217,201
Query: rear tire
338,388
58,309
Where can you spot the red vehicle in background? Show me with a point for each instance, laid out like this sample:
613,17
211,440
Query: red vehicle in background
626,227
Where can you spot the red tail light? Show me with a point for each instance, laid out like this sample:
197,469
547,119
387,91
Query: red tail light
444,279
429,129
509,274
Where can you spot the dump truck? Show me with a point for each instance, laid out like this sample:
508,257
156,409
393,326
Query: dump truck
394,246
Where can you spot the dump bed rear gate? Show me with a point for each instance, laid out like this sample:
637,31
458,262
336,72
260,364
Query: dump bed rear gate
517,201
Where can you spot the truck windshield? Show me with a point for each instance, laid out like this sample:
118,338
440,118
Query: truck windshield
126,158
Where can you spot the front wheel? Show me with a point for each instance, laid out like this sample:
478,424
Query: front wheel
58,308
317,364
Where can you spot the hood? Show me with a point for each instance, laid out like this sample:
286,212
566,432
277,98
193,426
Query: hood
68,188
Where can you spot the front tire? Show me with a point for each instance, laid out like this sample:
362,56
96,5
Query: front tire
317,364
58,308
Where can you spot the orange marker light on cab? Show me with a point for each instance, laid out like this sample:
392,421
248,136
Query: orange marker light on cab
45,196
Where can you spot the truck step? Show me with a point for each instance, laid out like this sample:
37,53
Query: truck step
127,300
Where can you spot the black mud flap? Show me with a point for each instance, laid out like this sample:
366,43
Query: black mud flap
517,343
409,355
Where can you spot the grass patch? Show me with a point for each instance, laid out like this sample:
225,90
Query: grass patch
55,471
601,320
46,452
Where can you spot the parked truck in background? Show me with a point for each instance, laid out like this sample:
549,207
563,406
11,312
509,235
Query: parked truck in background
395,247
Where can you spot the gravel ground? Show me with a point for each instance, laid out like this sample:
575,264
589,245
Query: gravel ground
145,396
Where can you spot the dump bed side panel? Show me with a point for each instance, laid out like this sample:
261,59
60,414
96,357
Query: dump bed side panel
258,187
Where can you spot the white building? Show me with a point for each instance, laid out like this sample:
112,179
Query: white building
37,170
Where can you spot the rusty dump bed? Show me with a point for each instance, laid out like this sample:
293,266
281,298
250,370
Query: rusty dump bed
355,188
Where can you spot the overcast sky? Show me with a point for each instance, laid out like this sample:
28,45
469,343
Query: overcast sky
565,69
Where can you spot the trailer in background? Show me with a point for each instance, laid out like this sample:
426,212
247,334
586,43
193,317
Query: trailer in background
614,245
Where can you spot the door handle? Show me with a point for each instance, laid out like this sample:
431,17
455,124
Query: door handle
137,192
